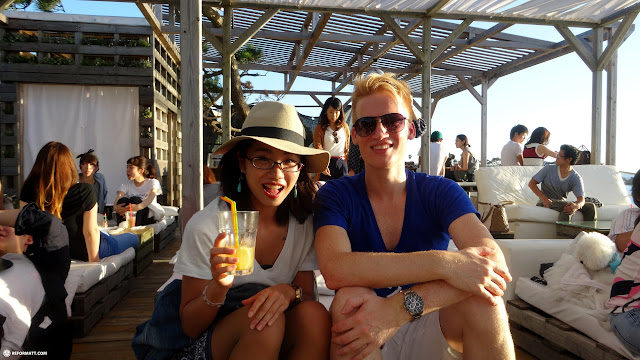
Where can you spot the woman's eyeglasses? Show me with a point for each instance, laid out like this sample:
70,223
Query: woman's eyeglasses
393,122
335,137
264,163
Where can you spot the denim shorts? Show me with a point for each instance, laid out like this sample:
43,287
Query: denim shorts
626,326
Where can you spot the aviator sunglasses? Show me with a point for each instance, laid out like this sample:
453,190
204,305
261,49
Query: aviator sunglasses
393,122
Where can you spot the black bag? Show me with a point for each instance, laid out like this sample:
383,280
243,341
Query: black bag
585,156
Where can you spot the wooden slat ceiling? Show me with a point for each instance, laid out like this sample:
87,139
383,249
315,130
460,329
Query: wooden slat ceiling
350,39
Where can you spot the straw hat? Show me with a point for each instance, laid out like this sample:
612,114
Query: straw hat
278,125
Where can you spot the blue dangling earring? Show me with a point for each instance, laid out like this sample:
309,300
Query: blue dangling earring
295,191
239,188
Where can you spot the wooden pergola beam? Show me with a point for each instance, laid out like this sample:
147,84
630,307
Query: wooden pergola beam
449,40
406,40
317,31
436,7
252,30
4,4
470,43
153,21
579,46
614,42
379,37
378,54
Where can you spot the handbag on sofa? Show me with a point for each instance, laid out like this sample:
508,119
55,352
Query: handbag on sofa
495,217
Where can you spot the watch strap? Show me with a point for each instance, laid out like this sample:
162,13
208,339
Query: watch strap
298,292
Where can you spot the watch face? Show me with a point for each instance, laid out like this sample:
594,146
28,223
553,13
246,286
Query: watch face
413,303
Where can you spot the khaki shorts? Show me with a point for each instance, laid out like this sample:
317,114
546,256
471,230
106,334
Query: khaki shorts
420,339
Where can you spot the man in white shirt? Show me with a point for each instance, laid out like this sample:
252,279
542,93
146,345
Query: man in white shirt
512,152
437,154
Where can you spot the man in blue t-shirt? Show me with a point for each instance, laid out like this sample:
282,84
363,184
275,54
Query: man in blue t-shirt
557,181
381,240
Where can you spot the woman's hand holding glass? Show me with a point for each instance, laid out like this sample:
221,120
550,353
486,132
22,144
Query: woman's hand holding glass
269,304
221,263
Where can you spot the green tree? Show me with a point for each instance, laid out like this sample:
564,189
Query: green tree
42,5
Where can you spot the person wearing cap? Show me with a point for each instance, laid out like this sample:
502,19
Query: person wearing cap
381,241
437,154
511,154
266,169
34,248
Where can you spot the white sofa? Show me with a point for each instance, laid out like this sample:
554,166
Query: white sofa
528,221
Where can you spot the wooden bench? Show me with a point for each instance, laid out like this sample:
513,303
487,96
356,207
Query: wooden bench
90,306
164,237
144,251
546,337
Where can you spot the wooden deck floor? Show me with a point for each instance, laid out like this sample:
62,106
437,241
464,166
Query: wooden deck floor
111,337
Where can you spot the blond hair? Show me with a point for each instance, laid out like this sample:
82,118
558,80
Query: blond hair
51,177
373,83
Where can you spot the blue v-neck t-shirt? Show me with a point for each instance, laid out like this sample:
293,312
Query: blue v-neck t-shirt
433,203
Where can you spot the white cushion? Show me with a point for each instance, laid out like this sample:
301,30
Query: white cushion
162,224
170,210
83,275
524,256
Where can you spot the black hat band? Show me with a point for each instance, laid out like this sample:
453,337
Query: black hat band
274,133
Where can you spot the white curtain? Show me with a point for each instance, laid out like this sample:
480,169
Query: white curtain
103,118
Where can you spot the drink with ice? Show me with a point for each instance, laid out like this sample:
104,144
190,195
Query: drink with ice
244,241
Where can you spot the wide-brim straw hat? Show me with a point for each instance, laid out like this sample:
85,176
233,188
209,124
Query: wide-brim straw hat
278,125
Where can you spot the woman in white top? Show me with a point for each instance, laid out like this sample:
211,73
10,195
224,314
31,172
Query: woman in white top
261,315
332,134
536,150
139,193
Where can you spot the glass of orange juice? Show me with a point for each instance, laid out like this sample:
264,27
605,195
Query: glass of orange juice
244,241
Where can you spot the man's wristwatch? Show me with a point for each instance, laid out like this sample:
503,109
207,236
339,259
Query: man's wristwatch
298,291
413,303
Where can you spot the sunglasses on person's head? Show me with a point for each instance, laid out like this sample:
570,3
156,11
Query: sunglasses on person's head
393,122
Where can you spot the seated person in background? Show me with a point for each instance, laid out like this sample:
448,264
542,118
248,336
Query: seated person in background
466,168
511,154
381,240
623,226
437,154
557,181
89,166
21,290
624,300
43,239
536,150
139,193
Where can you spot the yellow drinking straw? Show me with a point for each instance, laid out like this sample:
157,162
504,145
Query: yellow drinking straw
234,215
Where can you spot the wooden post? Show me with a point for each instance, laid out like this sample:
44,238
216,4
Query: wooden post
226,75
596,100
425,156
612,109
483,121
191,54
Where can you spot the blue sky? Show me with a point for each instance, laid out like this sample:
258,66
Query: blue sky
556,95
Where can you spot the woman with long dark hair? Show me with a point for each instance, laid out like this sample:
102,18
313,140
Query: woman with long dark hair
332,135
536,150
270,313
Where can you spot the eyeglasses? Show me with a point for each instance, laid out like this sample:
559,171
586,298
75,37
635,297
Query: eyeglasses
264,163
335,137
393,122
